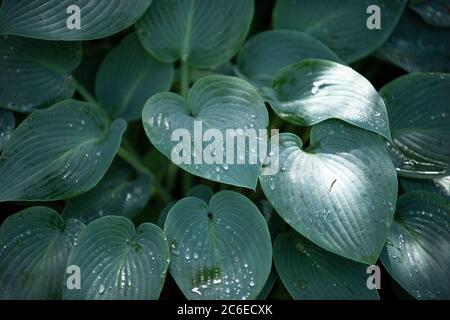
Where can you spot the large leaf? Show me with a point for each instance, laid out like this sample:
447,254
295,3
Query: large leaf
438,185
34,247
419,113
221,250
416,252
220,103
7,124
119,262
35,73
128,76
416,46
310,273
315,90
434,12
341,25
47,19
121,192
58,153
204,33
340,192
268,52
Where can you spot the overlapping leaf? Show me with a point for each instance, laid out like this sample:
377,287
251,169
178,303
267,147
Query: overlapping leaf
438,185
434,12
7,124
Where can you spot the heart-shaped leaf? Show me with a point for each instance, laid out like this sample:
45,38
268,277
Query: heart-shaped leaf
416,253
434,12
194,131
221,250
35,74
204,33
128,76
7,124
340,192
201,191
419,113
57,19
121,192
34,247
310,273
58,153
119,262
341,25
315,90
268,52
439,185
416,46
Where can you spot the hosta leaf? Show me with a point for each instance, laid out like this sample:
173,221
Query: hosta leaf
128,76
121,192
201,191
35,74
340,192
416,252
7,124
341,25
34,247
268,286
419,113
268,52
204,33
58,153
315,90
118,261
214,102
220,250
439,185
48,19
417,46
434,12
310,273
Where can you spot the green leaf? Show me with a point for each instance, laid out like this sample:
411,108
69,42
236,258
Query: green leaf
204,33
58,153
310,273
315,90
418,108
214,102
268,286
434,12
128,76
268,52
121,192
417,47
416,254
7,124
221,250
119,262
340,192
439,185
35,74
34,247
201,191
341,25
49,20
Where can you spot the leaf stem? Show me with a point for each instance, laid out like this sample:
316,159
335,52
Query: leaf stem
84,92
184,77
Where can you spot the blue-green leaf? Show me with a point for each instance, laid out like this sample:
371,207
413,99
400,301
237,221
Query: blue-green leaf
118,261
58,153
201,191
7,124
34,247
438,185
434,12
220,250
416,252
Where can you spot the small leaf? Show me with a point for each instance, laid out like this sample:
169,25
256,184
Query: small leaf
128,76
7,124
434,12
49,19
118,262
221,250
341,25
418,108
58,153
121,192
340,192
268,52
310,273
204,33
34,74
201,191
416,254
439,185
34,247
217,102
315,90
